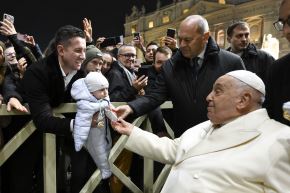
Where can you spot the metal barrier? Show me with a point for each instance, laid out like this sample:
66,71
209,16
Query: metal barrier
49,154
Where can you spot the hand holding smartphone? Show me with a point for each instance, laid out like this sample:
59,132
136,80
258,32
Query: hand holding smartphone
8,17
136,36
170,35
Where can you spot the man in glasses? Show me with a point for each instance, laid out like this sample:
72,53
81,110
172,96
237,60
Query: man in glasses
278,84
124,84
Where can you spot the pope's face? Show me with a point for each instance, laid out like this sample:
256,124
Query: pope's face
223,100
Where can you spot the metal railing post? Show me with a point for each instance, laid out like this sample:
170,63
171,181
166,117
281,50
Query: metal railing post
49,163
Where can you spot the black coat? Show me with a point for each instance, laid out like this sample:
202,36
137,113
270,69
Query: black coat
188,93
257,61
43,88
120,89
278,88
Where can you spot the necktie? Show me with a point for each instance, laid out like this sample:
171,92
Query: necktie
195,66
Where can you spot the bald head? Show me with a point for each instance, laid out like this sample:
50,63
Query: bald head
198,21
193,35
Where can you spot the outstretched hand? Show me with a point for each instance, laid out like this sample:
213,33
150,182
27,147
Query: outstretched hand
88,29
122,127
123,111
15,103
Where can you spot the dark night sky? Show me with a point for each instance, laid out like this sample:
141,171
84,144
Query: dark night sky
42,18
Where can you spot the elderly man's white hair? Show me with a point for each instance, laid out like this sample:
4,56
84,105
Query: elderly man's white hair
201,22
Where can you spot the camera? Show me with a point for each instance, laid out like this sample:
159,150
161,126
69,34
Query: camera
171,32
111,41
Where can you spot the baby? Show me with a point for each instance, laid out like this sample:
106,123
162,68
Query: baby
91,94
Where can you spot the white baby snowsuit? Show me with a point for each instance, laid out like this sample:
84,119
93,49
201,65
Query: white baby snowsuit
97,140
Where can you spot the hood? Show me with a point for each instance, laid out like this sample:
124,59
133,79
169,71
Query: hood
79,91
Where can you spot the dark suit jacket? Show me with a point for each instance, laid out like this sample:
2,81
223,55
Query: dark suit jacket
43,88
278,88
187,92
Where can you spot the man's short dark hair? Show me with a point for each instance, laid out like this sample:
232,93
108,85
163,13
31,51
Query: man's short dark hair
231,28
65,33
164,50
152,43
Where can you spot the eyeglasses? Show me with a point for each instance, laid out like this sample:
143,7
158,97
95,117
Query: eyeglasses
128,55
279,25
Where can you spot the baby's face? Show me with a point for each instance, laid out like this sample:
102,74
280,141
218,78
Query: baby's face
101,94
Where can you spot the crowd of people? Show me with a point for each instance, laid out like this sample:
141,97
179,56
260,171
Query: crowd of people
225,138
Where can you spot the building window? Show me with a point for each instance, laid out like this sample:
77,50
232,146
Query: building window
165,19
222,2
151,24
185,11
133,28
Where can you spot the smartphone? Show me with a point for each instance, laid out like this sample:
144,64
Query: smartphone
108,42
136,35
119,39
8,17
143,70
171,32
111,41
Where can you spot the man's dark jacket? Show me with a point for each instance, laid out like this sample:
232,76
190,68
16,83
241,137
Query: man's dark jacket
257,61
120,89
278,88
43,88
188,93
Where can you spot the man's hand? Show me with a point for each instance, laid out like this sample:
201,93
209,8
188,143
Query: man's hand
99,41
139,43
122,127
170,42
7,28
88,29
123,111
140,83
29,40
14,103
21,65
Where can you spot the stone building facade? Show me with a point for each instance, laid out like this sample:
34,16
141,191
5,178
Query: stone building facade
260,14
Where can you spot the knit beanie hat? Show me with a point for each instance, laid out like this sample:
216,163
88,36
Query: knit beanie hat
96,81
91,53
